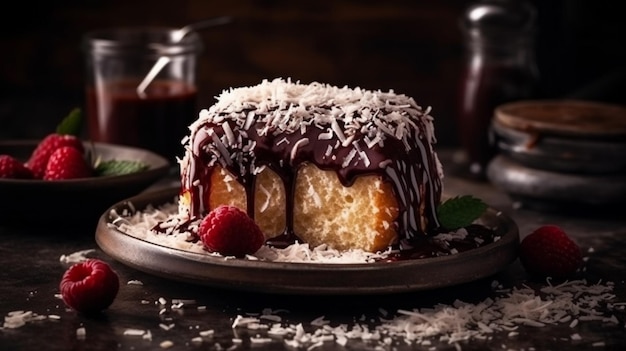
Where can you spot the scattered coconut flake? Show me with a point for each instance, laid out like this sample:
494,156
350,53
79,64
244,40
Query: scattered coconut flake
166,326
134,332
207,333
319,321
184,301
197,340
166,344
81,333
76,257
134,282
16,319
460,321
260,340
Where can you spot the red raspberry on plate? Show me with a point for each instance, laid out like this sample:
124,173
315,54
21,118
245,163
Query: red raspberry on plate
12,168
89,286
40,156
550,252
67,162
230,232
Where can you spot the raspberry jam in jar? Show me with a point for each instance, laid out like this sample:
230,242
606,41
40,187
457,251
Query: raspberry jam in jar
499,67
156,121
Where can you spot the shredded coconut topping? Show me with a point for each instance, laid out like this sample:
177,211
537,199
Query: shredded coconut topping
375,114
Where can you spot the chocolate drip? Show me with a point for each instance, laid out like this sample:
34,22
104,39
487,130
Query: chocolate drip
407,163
282,125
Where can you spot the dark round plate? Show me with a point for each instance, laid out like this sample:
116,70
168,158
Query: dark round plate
75,200
303,278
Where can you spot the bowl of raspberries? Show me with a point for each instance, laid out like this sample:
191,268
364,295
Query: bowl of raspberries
64,178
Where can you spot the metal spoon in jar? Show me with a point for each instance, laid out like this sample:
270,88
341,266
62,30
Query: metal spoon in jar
177,36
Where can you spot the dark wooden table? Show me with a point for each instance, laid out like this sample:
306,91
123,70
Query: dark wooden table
32,269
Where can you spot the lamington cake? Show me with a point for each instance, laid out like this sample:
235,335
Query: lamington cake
314,163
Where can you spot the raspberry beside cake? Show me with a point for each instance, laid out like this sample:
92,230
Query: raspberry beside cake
314,163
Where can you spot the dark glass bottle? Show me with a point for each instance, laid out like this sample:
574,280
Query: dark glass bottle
499,67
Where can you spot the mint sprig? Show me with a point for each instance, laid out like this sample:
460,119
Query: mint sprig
460,211
71,124
119,167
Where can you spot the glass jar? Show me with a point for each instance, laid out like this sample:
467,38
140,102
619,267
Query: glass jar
122,107
499,67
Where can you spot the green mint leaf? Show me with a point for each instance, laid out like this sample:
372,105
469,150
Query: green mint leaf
71,124
460,211
119,167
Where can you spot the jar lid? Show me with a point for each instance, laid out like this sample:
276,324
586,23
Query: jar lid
499,17
576,118
159,41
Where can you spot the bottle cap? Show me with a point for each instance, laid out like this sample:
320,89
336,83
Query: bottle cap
499,18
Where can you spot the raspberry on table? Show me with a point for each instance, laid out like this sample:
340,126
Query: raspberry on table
550,252
90,286
230,231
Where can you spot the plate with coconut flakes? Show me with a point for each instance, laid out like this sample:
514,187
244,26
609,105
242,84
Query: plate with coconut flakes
126,232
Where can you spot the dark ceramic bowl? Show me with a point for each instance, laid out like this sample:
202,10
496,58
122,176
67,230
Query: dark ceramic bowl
66,202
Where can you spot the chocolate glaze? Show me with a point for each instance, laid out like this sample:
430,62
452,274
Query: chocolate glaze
410,169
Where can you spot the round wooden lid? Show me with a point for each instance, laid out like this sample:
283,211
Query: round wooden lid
564,117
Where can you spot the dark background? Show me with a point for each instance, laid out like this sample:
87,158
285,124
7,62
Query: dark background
412,46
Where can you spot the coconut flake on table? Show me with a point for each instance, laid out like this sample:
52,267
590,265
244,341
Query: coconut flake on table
19,318
76,257
457,322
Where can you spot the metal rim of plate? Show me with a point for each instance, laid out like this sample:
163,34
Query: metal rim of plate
304,278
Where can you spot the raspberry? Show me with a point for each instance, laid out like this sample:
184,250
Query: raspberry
12,168
550,252
230,232
89,286
67,162
40,156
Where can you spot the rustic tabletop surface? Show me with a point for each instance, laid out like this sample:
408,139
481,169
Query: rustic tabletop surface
155,313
